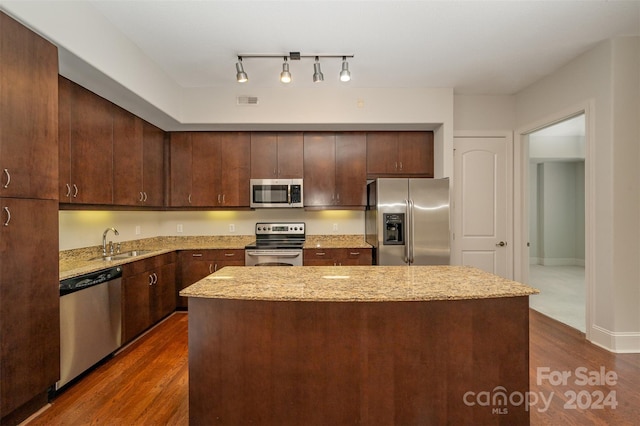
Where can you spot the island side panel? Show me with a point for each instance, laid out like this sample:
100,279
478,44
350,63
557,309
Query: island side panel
372,363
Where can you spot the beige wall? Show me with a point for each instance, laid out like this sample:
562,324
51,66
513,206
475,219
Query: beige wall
606,79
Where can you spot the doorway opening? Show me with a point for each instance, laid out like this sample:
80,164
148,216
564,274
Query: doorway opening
556,214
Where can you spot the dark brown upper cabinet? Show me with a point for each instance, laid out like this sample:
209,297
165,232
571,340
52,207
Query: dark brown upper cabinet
276,155
335,169
138,161
85,135
400,154
210,169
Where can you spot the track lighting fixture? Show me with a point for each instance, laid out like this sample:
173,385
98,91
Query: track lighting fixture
285,75
241,76
317,74
345,75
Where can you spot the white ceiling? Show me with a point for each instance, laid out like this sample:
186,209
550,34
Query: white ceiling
475,47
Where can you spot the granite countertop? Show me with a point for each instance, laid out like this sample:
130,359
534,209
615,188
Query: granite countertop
86,260
355,284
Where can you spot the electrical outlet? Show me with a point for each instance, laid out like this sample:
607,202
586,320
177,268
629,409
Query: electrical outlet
232,228
335,227
179,228
138,230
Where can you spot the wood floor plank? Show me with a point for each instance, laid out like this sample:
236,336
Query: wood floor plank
147,383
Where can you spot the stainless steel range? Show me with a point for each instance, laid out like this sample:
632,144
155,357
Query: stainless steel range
277,244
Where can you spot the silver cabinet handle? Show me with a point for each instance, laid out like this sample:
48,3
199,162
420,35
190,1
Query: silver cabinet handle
197,255
223,199
75,190
68,194
396,165
6,172
229,254
355,253
145,197
141,197
189,198
401,165
150,279
319,253
155,278
6,209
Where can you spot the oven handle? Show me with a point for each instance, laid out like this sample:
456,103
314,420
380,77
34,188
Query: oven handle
274,254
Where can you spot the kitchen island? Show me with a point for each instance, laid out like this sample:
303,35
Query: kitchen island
358,345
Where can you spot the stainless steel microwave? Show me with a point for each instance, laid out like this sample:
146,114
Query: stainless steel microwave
271,193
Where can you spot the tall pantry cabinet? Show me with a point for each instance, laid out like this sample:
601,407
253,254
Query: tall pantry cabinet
29,295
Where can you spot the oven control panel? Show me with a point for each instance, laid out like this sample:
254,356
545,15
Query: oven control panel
281,228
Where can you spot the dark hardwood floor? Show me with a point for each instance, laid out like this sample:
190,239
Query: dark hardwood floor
147,383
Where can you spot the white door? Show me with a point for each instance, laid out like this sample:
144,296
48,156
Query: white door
482,208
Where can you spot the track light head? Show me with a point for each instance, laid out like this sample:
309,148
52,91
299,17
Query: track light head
317,73
345,74
285,75
241,76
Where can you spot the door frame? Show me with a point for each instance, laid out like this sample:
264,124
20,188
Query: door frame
521,198
456,256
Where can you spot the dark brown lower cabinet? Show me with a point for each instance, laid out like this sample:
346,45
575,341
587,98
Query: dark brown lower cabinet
29,306
337,257
148,293
197,264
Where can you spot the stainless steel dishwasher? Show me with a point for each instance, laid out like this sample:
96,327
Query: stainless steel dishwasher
90,321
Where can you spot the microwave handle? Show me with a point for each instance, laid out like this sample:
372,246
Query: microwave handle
289,194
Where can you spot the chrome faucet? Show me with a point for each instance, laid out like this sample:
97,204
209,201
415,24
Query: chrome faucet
104,240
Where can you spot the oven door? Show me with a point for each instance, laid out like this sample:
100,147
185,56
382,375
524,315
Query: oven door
273,257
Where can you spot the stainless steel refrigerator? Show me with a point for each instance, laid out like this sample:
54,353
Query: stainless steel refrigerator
407,221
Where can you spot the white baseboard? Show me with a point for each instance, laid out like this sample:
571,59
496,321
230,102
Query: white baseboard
618,342
557,261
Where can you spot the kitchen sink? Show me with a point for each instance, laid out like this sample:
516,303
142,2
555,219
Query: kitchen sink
125,255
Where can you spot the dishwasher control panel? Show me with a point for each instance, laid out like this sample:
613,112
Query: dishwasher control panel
71,285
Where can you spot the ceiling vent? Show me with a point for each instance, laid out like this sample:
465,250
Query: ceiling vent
247,100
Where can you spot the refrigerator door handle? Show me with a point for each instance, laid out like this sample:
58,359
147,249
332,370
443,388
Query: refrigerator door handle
411,236
407,229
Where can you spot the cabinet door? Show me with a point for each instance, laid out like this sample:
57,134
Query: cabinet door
136,315
205,168
181,169
351,169
360,256
264,155
223,257
91,147
163,292
319,257
319,169
28,113
234,170
65,189
29,300
194,266
415,153
290,155
127,158
382,153
152,165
